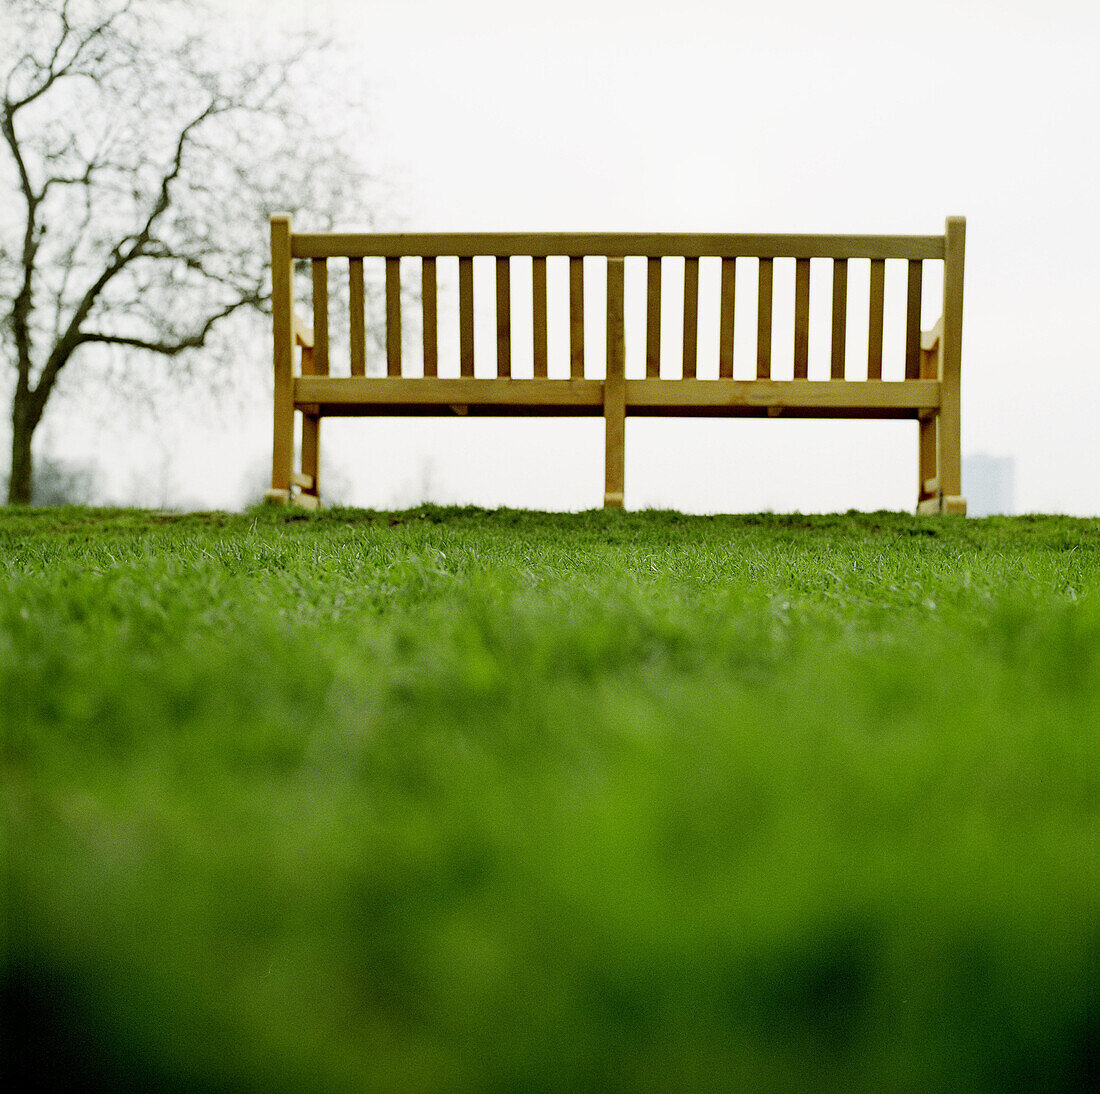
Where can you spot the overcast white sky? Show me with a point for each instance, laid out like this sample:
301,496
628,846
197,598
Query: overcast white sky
725,116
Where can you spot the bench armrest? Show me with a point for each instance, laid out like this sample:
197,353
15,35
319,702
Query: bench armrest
929,339
303,332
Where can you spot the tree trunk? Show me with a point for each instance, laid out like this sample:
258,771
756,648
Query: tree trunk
23,424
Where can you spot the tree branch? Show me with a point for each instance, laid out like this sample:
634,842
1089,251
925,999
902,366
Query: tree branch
82,179
194,340
68,68
122,254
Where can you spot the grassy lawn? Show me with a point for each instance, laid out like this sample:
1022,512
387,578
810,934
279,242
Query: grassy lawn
450,800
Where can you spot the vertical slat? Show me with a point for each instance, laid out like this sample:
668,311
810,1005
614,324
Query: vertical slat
614,389
576,318
653,319
912,320
393,317
428,301
727,294
691,317
320,316
282,317
615,337
802,319
538,293
466,316
357,306
840,319
504,316
875,324
764,321
950,424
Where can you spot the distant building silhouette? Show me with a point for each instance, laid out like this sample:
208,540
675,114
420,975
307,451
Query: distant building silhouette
989,483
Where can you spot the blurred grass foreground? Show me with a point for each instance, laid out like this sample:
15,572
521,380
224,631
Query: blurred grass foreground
450,800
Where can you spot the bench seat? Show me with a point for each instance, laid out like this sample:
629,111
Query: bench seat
362,396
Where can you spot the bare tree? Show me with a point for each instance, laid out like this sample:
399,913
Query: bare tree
143,161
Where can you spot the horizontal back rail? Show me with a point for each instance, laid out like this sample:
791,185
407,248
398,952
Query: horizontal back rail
609,244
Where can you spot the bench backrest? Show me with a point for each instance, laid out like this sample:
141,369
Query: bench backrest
390,248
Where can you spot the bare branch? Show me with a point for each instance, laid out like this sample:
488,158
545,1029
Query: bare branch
7,126
56,69
82,179
123,253
172,348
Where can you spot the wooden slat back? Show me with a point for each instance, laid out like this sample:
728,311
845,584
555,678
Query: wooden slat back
357,317
691,317
393,316
320,317
727,296
466,317
912,320
538,309
576,318
875,319
616,341
802,319
504,317
614,247
429,307
653,319
764,321
840,319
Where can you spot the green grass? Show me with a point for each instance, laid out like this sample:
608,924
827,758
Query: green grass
450,800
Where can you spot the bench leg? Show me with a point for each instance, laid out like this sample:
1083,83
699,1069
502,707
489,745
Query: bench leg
614,457
928,472
931,494
939,487
311,455
949,448
282,448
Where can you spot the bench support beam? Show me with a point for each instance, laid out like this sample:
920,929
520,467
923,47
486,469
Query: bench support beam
949,428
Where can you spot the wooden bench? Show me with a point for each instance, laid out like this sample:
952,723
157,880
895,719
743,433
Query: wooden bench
928,393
